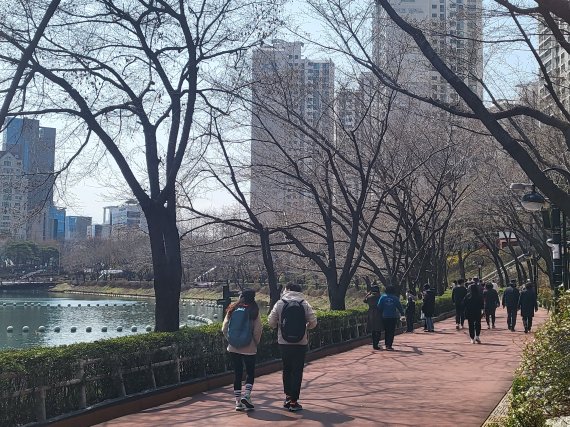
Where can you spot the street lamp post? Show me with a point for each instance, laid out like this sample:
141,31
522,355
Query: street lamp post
558,243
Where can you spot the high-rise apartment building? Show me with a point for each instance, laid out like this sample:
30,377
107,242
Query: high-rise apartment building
35,146
13,197
289,93
556,61
454,29
128,216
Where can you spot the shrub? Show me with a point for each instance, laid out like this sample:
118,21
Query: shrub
542,383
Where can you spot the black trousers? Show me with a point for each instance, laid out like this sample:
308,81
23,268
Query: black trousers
410,322
459,314
490,315
511,317
527,322
239,360
376,338
390,329
474,327
293,357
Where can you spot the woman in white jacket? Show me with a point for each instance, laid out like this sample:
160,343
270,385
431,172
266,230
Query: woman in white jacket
246,311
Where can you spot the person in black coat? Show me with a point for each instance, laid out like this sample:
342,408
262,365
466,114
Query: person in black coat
491,299
410,313
528,305
511,302
374,318
428,307
457,296
473,303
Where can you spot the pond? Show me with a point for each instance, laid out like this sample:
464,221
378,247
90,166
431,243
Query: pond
58,311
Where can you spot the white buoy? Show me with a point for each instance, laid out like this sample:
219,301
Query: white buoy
104,329
148,328
26,329
88,305
42,329
78,305
69,305
48,304
97,305
119,329
88,329
59,305
133,328
15,304
25,304
215,316
73,329
189,316
10,329
57,329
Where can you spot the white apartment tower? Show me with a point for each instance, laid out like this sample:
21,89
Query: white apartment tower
454,29
289,93
556,61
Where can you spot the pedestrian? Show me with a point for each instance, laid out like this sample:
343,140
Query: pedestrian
410,312
491,301
374,317
528,305
511,302
457,296
473,312
428,307
242,328
389,306
292,315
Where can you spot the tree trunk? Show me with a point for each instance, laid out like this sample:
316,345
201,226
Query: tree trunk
167,265
337,292
272,280
461,264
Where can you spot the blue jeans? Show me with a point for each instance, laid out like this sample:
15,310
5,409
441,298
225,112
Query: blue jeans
429,323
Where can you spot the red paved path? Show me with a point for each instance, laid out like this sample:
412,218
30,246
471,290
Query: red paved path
434,380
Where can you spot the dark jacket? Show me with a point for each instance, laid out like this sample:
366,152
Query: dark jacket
374,317
511,297
473,306
528,303
491,299
458,295
428,305
411,306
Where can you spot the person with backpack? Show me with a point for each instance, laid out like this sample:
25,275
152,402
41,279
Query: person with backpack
292,315
389,305
374,319
242,328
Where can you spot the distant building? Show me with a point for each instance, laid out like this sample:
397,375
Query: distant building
282,75
128,216
507,238
13,197
76,227
35,146
99,231
56,224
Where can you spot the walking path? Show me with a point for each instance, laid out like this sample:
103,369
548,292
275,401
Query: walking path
431,379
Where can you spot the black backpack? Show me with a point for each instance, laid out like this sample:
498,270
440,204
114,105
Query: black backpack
293,322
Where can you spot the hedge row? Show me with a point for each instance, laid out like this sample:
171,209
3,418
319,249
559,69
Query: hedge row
91,373
541,389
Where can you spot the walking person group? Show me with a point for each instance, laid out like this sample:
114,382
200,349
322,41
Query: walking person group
292,316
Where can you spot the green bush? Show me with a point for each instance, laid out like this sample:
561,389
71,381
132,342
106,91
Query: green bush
541,388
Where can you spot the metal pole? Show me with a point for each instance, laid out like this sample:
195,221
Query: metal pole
557,262
564,248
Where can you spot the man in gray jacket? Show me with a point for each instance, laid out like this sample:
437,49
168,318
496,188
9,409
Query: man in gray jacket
293,347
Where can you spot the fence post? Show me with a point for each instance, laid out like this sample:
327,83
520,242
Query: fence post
120,382
82,387
40,404
176,362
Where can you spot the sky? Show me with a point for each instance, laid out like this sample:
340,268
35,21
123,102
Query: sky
87,191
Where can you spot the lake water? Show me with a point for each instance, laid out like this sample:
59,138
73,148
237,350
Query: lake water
52,310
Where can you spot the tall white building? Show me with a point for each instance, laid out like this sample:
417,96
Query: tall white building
289,92
454,29
13,197
124,218
557,64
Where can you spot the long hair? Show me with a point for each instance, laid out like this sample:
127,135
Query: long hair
247,300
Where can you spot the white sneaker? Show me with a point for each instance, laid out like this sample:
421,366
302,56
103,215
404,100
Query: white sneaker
240,407
472,341
478,340
457,326
246,402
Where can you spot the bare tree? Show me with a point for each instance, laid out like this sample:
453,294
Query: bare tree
137,75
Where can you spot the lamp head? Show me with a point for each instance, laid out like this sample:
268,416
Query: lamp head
533,201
